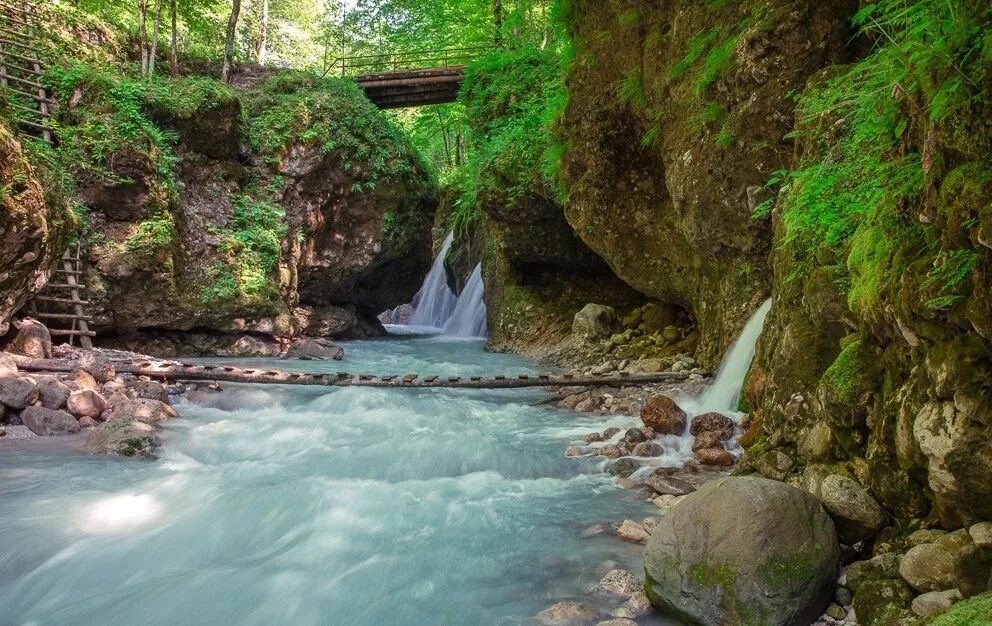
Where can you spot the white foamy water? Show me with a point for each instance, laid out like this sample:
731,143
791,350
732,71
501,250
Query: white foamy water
299,505
434,303
469,317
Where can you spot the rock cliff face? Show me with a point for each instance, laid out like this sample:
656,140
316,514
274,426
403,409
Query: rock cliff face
33,229
669,138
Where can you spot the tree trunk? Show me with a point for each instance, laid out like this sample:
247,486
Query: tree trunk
232,26
498,22
173,47
143,35
153,52
263,34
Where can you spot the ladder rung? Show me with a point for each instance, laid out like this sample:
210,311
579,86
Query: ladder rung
58,332
29,109
73,272
24,81
65,286
61,300
36,125
64,316
10,66
33,61
11,18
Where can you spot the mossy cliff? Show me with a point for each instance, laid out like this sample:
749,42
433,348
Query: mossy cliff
877,353
677,115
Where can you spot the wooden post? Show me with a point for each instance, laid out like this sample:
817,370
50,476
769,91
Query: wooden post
84,339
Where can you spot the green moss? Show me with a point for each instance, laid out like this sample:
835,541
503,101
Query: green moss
154,233
786,570
976,611
851,373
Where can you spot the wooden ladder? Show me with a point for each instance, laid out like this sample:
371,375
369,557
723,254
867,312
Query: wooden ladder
61,302
21,70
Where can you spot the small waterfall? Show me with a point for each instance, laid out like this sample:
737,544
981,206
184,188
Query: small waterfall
469,316
434,303
725,393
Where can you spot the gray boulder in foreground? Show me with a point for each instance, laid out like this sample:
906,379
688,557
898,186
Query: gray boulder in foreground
743,551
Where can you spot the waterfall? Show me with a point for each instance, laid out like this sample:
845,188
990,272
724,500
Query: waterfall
435,302
725,393
469,316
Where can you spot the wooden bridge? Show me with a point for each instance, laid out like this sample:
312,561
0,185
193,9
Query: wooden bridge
172,370
410,79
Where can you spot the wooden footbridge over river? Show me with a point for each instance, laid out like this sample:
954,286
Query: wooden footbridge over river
174,370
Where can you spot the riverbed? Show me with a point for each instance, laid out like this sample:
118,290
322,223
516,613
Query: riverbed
313,506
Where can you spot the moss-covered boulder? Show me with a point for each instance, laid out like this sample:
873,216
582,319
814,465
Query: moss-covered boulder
746,551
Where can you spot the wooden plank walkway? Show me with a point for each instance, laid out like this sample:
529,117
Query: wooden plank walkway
171,370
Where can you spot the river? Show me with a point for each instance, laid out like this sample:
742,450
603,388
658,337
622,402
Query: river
297,505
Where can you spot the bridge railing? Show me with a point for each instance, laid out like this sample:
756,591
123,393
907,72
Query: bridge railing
420,59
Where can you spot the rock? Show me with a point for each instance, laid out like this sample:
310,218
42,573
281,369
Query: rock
716,423
149,390
883,601
47,422
651,366
981,533
648,448
123,437
618,582
744,550
924,535
611,451
955,542
97,366
610,432
630,530
928,567
668,485
634,436
85,402
973,570
934,602
315,350
595,322
592,438
18,393
638,604
856,513
707,440
627,483
8,369
836,611
569,614
141,409
575,451
33,340
52,393
715,457
86,422
774,464
843,596
881,566
663,415
623,467
816,444
3,430
666,501
80,379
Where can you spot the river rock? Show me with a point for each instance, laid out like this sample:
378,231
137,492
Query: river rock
569,614
856,513
575,451
924,535
592,438
981,533
881,566
648,448
928,567
629,530
611,451
668,485
33,340
934,602
47,422
18,393
618,582
663,415
595,322
623,467
123,437
721,425
86,422
99,367
315,350
973,570
707,440
633,436
744,550
883,601
638,605
80,379
715,457
610,432
52,393
8,369
141,409
85,402
149,390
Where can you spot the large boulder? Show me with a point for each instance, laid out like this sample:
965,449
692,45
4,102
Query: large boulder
315,350
53,393
18,393
743,550
44,421
928,567
86,403
716,423
883,602
595,321
856,513
142,410
123,437
32,340
664,415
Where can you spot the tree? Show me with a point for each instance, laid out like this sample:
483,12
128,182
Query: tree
153,51
174,45
263,34
232,26
143,35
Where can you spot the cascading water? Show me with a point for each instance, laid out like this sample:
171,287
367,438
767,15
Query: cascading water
434,303
469,316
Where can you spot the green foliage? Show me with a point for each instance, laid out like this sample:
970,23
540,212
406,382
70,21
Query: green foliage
849,375
976,611
950,270
630,18
154,233
252,244
630,91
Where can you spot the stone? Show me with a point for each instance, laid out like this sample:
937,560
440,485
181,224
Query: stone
648,448
836,611
123,437
623,467
715,457
80,379
638,605
569,614
611,451
816,444
981,533
595,322
743,550
575,451
705,440
955,541
18,393
47,422
928,567
618,582
52,393
633,436
149,390
843,596
33,340
610,432
924,535
934,602
882,601
307,349
663,415
973,570
856,513
666,501
8,369
592,438
629,530
99,367
85,402
668,485
141,409
881,566
716,423
775,464
86,422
